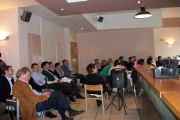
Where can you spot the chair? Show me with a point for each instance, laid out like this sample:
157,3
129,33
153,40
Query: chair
93,96
13,105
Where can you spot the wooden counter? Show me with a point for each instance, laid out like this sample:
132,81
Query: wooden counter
159,85
172,100
168,90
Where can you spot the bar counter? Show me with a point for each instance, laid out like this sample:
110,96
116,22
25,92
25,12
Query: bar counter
163,93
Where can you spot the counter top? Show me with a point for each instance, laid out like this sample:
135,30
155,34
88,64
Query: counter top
172,100
168,89
160,85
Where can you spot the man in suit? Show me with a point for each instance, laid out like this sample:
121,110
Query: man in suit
31,100
53,78
39,80
6,84
6,91
70,73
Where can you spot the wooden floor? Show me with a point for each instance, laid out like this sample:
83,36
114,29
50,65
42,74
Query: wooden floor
95,113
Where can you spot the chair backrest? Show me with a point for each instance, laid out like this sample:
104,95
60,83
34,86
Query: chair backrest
118,78
93,87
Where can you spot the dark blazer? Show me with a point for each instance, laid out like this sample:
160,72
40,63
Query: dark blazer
94,79
48,75
66,70
5,89
55,73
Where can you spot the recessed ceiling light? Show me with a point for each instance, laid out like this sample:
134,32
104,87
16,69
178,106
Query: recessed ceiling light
138,1
82,28
73,1
62,9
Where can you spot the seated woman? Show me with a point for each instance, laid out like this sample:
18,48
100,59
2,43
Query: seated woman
94,79
105,71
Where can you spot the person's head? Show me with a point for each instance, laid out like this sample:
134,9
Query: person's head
35,67
117,62
109,62
51,65
121,58
57,65
45,65
8,71
91,68
169,58
149,60
130,59
96,61
65,62
103,62
134,58
23,74
159,58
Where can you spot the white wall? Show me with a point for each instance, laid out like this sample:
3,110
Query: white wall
51,35
163,49
24,29
113,44
70,36
10,47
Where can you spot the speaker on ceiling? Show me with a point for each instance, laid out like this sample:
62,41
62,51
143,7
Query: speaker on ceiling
26,16
100,19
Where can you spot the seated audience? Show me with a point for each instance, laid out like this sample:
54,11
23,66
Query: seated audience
103,64
150,61
6,84
135,61
118,65
159,61
2,66
94,79
105,71
70,73
122,61
97,64
130,64
39,79
53,71
31,100
59,70
52,78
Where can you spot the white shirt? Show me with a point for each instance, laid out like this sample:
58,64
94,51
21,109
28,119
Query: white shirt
10,83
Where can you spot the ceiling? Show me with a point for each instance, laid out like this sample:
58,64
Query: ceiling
94,6
75,22
9,4
72,15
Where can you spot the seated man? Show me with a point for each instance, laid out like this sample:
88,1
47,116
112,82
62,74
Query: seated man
94,79
53,79
53,71
31,101
6,84
39,79
70,73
